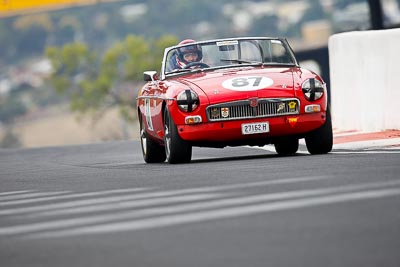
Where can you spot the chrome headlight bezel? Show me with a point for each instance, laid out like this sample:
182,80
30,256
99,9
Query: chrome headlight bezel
188,100
313,89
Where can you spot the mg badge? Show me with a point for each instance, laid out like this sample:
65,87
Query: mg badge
253,102
225,112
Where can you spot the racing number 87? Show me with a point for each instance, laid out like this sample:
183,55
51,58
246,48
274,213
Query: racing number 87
240,82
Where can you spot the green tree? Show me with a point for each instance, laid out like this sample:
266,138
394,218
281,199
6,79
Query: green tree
96,83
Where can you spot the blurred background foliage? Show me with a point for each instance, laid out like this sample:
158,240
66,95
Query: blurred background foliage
92,57
95,82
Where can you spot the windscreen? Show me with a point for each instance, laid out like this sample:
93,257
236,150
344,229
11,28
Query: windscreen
220,54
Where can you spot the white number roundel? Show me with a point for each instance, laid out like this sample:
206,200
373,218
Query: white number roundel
247,83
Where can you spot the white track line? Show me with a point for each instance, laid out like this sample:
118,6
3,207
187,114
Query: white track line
23,197
75,195
15,192
189,207
126,205
107,200
232,212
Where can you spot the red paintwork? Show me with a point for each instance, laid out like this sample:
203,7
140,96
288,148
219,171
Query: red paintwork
286,84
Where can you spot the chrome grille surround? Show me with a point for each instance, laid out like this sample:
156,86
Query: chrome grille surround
266,107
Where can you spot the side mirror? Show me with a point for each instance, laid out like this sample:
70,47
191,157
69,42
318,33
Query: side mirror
150,76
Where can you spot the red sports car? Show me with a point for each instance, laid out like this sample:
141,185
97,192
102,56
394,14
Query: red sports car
232,92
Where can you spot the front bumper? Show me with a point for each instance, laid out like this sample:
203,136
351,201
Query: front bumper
226,131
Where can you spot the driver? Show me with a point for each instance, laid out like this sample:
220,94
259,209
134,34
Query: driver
185,55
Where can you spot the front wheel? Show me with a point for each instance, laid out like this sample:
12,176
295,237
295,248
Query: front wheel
176,149
320,141
151,150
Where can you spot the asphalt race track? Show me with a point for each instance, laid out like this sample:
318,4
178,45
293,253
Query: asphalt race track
101,205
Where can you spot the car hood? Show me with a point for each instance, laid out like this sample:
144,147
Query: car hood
225,85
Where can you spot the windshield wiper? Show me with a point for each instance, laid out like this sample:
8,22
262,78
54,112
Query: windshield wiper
240,61
185,70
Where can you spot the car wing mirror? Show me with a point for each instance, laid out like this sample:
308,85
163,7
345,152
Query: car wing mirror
150,76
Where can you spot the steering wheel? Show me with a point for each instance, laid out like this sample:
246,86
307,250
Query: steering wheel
196,64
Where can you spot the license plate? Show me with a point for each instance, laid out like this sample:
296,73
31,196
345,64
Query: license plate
255,128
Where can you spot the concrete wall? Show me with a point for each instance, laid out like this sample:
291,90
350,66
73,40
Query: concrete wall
365,80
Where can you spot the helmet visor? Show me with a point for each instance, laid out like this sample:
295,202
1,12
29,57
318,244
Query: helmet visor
190,57
190,49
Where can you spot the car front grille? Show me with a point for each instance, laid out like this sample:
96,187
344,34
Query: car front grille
253,108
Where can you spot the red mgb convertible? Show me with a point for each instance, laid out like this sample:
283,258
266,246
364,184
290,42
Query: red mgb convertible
231,92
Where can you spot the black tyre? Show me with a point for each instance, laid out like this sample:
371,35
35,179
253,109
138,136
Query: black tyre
287,146
320,141
176,149
152,151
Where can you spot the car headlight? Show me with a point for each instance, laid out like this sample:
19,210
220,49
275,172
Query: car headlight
187,100
313,89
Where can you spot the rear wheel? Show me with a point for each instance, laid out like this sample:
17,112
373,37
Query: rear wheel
176,149
152,151
287,146
320,141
